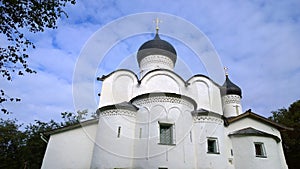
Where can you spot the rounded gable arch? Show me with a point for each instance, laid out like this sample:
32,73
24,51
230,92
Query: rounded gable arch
206,93
162,81
117,87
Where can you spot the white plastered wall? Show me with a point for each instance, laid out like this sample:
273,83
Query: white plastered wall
244,153
205,93
161,81
148,152
232,105
113,150
243,147
70,149
118,87
210,127
123,85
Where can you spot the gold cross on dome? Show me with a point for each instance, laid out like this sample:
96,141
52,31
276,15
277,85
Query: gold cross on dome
226,71
157,21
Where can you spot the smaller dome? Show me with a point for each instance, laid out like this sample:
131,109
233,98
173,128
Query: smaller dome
157,46
230,88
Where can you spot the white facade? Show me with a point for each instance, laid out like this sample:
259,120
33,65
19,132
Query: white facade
71,148
231,105
161,121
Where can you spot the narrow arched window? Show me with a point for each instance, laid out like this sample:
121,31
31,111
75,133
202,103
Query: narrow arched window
119,132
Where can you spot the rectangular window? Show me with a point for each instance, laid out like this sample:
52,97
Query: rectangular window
166,133
212,145
260,150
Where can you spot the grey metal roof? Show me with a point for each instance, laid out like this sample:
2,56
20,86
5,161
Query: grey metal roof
253,132
157,46
123,105
230,88
204,112
73,126
249,114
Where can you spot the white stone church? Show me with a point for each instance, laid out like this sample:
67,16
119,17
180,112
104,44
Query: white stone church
157,120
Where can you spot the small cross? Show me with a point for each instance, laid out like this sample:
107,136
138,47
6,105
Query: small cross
226,71
157,21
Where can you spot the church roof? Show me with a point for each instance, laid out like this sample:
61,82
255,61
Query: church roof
230,88
249,114
249,131
201,75
103,77
204,112
157,46
123,105
72,126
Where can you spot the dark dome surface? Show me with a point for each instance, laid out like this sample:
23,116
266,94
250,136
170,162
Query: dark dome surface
230,88
157,46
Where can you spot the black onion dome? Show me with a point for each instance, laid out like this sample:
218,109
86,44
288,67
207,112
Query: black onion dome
230,88
157,46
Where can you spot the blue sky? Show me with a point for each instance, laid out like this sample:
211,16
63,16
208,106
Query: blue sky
257,40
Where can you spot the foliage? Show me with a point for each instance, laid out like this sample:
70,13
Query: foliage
23,149
12,142
35,146
290,117
18,18
71,118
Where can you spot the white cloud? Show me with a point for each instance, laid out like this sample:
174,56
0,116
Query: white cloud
256,40
44,96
